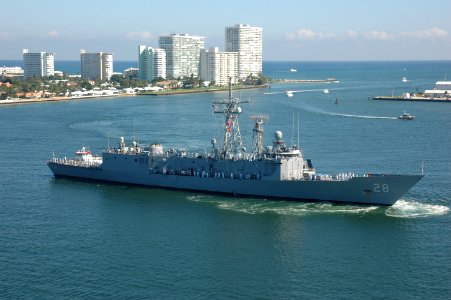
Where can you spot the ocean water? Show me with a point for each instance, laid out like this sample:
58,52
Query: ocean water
69,239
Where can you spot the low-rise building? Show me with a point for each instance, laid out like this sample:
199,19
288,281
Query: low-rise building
131,72
11,71
441,89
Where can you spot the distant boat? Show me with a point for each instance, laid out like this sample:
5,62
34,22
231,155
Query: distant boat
404,79
336,100
289,93
406,116
326,91
293,70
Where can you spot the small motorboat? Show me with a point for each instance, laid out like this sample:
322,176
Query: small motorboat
404,79
326,91
406,116
289,93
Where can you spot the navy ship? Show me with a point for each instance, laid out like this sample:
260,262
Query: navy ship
276,171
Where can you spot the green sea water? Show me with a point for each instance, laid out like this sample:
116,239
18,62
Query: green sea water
68,239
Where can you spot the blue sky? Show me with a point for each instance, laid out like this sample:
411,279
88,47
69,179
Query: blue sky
292,30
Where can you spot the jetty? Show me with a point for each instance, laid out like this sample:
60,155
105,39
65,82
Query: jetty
413,99
327,80
199,90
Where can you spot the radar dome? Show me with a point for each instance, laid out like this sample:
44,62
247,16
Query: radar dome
278,135
213,141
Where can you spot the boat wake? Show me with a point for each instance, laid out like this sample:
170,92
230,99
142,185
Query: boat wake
401,209
288,208
361,116
412,209
317,110
301,91
98,126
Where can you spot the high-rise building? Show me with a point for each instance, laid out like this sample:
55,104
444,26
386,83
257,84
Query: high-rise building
182,54
39,64
152,63
248,42
98,65
218,67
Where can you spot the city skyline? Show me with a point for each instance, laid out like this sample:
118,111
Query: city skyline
292,30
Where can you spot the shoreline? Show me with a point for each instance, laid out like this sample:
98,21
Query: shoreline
51,99
200,90
162,93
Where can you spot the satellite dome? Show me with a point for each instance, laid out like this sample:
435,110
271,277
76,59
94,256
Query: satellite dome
278,135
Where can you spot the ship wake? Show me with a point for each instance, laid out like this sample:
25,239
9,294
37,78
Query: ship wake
401,209
288,208
412,209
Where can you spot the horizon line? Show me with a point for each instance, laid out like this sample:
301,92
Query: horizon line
290,60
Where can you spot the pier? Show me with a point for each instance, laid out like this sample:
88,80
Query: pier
412,98
328,80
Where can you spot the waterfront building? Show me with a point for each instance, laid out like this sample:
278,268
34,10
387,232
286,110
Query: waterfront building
217,66
248,42
441,89
182,54
39,64
11,71
152,63
131,72
98,65
58,73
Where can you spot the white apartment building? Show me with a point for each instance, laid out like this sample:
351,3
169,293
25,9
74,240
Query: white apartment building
152,63
182,54
218,66
39,64
248,42
98,65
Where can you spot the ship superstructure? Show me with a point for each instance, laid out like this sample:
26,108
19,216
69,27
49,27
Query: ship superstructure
275,171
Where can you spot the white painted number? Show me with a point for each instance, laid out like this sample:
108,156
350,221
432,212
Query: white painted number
377,188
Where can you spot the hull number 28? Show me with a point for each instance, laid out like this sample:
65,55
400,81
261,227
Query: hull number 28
378,188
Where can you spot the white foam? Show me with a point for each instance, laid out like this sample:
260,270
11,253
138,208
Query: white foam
412,209
318,110
361,116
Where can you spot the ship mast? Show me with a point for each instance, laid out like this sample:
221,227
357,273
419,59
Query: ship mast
257,133
231,110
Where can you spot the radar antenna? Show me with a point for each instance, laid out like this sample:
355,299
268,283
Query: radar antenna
257,132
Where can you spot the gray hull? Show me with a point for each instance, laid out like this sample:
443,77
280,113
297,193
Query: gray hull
374,189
